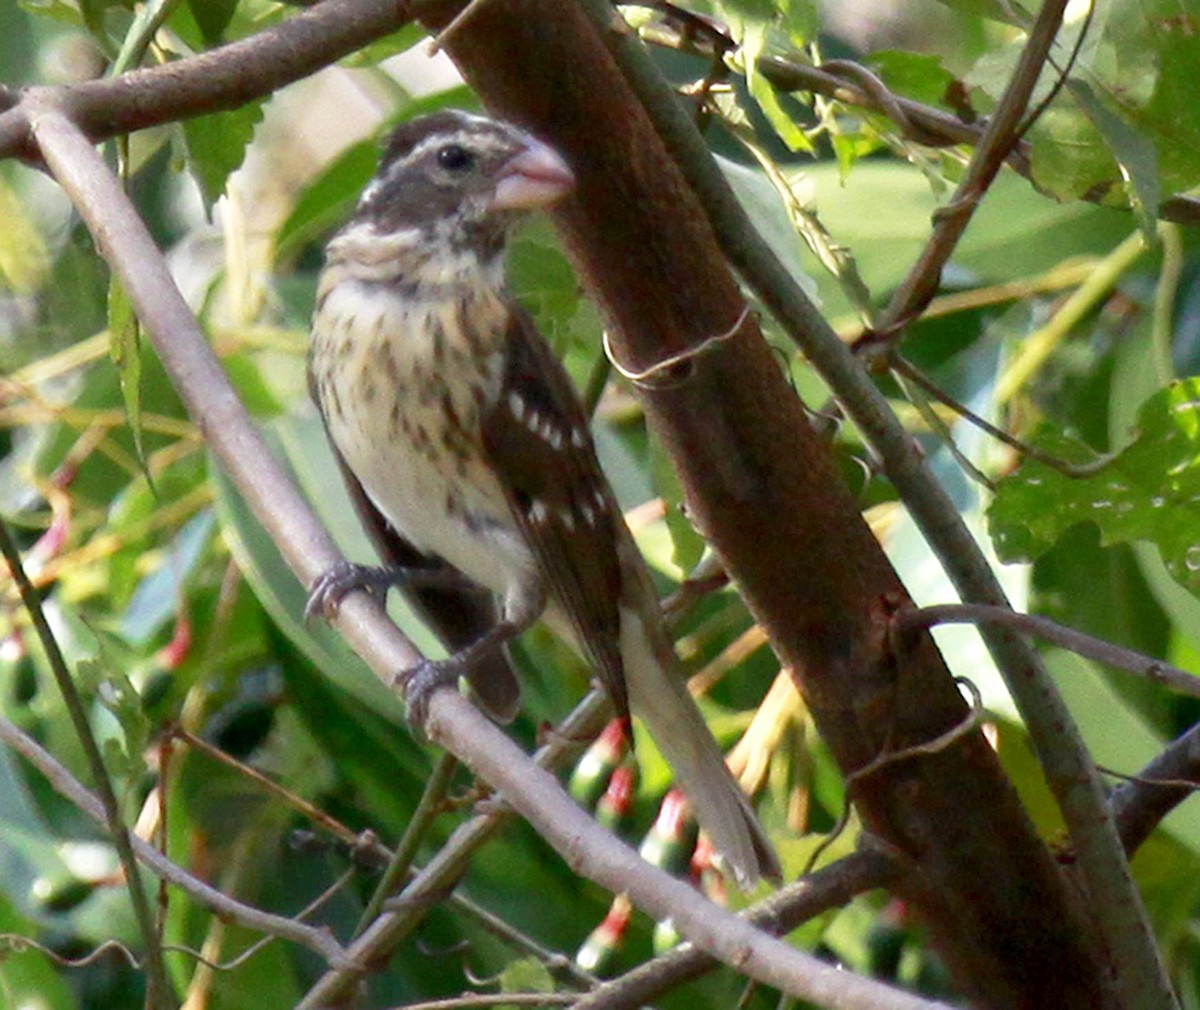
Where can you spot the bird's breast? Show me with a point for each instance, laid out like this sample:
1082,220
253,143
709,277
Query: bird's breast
402,383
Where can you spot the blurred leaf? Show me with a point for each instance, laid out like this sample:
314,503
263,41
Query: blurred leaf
1150,491
24,258
914,75
246,375
881,214
160,594
1116,734
216,147
1133,151
29,979
1007,12
542,280
328,199
687,544
69,12
526,975
390,45
766,210
212,16
124,754
125,350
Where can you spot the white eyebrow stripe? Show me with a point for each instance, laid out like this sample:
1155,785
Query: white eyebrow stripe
485,139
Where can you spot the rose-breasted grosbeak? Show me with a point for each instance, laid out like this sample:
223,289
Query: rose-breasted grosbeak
468,453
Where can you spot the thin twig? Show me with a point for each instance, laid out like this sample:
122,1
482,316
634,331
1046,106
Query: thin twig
1088,646
317,939
1141,804
158,990
906,369
422,819
366,844
442,873
999,138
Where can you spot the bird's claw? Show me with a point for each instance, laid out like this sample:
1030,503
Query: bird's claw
334,584
419,682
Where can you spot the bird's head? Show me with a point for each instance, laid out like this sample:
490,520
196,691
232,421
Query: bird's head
461,179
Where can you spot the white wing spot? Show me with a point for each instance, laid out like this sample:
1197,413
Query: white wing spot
538,512
588,513
517,406
578,438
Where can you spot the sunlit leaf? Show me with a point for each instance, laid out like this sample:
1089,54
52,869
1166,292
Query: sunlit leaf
216,146
1149,491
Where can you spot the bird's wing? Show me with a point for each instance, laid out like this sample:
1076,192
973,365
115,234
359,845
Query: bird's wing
458,616
536,437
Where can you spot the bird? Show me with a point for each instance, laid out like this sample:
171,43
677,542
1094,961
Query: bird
468,454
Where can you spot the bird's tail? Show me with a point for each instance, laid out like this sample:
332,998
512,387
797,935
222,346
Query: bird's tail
658,696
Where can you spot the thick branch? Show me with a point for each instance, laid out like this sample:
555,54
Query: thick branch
220,79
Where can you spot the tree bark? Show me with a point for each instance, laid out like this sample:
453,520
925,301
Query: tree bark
763,489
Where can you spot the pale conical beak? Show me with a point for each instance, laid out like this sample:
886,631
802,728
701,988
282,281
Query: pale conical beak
536,176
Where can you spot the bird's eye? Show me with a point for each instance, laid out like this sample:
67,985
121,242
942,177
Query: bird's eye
455,158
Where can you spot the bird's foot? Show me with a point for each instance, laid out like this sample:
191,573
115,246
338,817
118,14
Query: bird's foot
334,584
419,682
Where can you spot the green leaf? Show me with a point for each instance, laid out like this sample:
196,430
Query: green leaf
527,974
213,17
1150,491
390,45
113,690
125,338
1132,150
1070,158
24,258
216,146
913,75
751,22
158,595
328,200
1005,11
28,978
